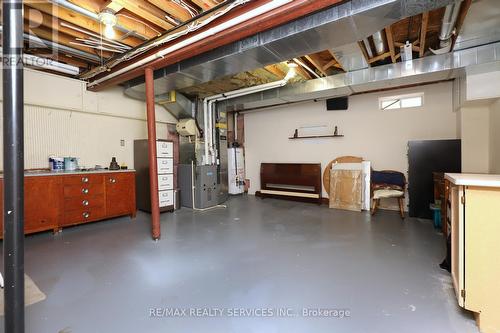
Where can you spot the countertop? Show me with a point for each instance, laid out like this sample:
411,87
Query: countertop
40,173
471,179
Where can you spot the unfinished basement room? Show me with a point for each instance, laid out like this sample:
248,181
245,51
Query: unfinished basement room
237,166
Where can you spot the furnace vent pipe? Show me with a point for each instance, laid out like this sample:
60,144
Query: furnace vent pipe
378,41
208,111
448,27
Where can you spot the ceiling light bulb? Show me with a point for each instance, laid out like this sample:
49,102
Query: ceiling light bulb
292,64
109,32
291,74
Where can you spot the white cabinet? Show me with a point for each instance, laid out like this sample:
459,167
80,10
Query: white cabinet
165,164
164,149
165,182
166,198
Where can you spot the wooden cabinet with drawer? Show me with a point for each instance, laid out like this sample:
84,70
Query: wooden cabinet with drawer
59,200
120,194
83,199
42,204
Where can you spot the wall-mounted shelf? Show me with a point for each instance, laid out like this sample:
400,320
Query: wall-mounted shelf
316,137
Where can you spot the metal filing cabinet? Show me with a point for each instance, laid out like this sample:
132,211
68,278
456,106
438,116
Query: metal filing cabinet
165,174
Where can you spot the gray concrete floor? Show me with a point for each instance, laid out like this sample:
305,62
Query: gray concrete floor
107,276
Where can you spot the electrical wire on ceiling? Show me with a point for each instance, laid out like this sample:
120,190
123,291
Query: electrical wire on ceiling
139,21
188,28
193,12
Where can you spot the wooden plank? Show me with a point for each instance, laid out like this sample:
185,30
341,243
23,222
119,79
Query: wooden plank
204,4
423,33
363,50
379,57
390,42
303,72
172,8
337,60
275,70
464,9
78,20
63,39
313,59
146,11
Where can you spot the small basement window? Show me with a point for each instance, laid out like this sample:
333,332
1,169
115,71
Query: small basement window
401,102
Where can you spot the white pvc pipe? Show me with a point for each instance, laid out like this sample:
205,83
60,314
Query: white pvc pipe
196,38
208,112
31,60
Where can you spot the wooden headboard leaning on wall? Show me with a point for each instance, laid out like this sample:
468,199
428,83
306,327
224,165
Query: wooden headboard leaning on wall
291,181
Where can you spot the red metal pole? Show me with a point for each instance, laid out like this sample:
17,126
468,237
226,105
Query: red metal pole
153,172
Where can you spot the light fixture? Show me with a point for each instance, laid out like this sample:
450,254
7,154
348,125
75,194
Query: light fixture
292,64
108,18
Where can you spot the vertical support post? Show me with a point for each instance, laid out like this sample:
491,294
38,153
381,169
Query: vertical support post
13,150
153,167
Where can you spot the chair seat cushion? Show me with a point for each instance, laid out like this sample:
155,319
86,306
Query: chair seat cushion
387,193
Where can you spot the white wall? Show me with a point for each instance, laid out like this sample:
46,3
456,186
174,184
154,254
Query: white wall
62,118
378,136
475,132
495,137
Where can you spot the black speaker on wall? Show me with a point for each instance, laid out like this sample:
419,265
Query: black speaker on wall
338,103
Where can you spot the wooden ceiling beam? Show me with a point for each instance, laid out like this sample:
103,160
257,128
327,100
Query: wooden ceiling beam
275,70
390,43
464,9
363,50
172,9
334,56
423,33
379,57
79,20
63,39
147,11
205,4
313,59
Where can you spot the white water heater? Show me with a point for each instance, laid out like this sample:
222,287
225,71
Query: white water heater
236,170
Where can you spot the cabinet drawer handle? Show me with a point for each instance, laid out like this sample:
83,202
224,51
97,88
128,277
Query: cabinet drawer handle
86,215
85,180
112,180
85,190
85,202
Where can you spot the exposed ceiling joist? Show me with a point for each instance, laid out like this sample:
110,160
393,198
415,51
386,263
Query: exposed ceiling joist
313,59
336,59
363,50
275,70
172,8
78,20
379,57
464,9
423,33
146,10
390,43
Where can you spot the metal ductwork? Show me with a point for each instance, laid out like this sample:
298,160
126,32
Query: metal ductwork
378,41
332,28
177,104
448,27
423,70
